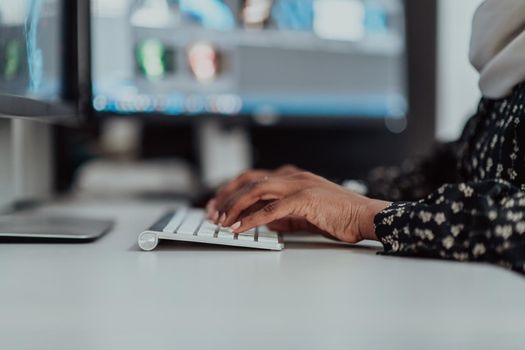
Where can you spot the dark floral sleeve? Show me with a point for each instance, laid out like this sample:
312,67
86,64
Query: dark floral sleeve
418,177
475,221
415,178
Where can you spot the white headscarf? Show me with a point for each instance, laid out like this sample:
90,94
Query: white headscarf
497,47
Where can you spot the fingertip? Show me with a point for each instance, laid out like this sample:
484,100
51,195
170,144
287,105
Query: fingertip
222,218
235,226
227,222
242,225
230,219
240,229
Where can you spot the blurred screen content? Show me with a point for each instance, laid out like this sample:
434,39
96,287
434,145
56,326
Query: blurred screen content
281,57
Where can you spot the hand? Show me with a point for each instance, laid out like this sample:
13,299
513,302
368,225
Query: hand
243,179
303,198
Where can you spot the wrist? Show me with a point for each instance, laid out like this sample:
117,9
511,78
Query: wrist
366,221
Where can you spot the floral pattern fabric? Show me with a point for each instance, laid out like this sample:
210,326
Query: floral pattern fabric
467,200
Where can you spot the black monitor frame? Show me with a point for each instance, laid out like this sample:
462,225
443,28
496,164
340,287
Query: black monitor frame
75,75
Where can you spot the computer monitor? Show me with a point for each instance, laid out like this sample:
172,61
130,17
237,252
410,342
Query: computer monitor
42,78
40,81
38,67
270,59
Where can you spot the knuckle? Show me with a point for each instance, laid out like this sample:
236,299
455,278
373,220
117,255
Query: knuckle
252,185
287,168
242,177
262,179
304,174
270,208
257,183
247,175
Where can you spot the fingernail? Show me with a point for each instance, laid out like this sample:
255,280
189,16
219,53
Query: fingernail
215,216
223,217
235,226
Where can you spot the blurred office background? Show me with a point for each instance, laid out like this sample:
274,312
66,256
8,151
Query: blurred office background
457,80
186,93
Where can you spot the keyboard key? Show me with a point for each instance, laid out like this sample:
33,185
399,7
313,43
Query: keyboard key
191,222
207,229
247,236
225,233
263,228
268,237
175,222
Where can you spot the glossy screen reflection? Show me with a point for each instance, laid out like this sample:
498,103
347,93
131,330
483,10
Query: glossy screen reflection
30,48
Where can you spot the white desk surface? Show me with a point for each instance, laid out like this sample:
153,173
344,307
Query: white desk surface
315,294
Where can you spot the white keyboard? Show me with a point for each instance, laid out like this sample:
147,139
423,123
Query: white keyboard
192,225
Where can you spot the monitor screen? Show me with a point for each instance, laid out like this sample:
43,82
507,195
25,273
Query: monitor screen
321,58
31,49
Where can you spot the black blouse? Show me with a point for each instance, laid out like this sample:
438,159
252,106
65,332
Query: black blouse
467,200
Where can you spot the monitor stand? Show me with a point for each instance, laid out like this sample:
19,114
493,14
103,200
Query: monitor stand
33,160
6,164
26,176
25,162
225,151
